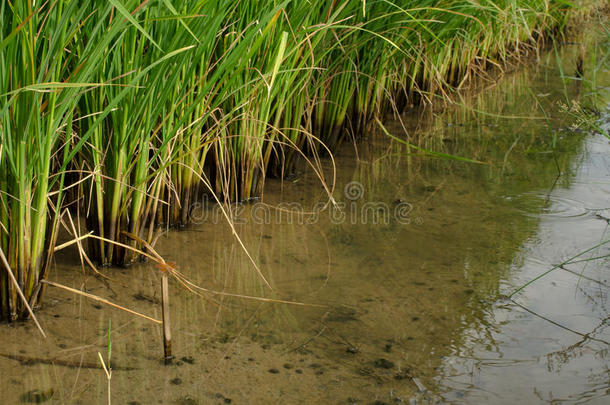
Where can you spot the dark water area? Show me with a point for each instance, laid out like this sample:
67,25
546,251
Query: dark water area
396,292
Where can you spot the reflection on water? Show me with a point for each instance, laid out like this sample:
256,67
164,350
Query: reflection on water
551,343
398,296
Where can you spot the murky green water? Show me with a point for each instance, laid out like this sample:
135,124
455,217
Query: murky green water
404,282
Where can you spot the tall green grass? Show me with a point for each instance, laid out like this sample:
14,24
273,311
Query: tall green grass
151,103
41,84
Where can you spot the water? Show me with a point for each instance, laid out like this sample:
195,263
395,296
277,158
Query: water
524,356
398,295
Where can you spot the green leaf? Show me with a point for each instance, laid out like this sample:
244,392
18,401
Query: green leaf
133,21
278,61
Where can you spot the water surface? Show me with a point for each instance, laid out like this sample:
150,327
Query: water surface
398,292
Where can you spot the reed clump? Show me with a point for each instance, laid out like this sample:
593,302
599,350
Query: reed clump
129,109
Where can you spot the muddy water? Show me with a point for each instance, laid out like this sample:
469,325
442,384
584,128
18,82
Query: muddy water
397,293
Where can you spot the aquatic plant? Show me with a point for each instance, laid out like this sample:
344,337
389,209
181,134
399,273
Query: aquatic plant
148,104
41,82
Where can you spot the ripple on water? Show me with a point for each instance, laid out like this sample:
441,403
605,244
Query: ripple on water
550,205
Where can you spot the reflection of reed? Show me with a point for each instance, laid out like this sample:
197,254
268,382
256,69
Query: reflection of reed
496,127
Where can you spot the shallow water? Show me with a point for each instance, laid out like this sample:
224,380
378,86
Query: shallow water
398,294
524,356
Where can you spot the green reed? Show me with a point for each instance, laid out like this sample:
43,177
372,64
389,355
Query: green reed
41,82
151,103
